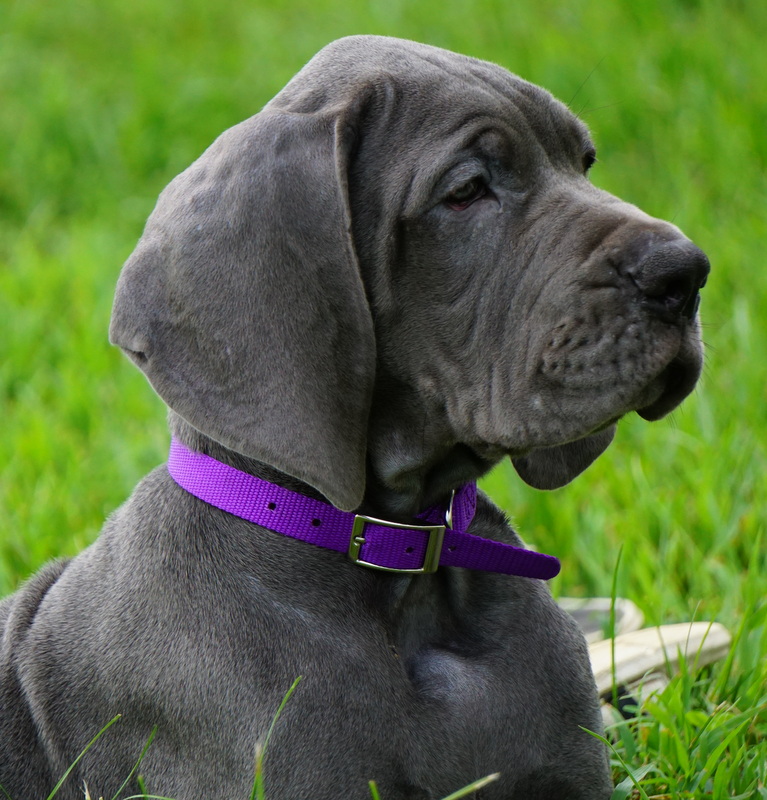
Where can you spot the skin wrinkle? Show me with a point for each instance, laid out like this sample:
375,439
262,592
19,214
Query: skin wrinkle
426,184
588,258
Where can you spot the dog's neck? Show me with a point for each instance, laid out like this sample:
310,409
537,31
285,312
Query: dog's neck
404,476
200,443
414,457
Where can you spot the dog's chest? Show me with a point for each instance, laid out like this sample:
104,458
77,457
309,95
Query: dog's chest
466,670
460,710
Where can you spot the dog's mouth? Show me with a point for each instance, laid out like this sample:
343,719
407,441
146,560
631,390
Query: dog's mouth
554,466
675,383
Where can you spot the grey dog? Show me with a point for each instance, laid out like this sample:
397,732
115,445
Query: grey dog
393,276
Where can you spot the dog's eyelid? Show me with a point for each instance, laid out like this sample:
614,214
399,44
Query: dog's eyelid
463,169
468,188
467,194
463,177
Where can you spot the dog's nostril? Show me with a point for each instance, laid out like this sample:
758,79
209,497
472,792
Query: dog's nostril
669,277
675,296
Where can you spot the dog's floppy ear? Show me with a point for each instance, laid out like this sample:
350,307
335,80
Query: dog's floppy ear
244,306
552,467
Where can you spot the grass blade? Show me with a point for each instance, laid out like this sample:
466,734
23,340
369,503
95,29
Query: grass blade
709,767
77,760
613,597
138,763
147,797
631,776
473,787
257,793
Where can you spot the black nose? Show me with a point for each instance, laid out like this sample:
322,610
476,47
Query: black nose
669,277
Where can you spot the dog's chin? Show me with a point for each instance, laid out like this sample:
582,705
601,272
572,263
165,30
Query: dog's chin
555,466
670,388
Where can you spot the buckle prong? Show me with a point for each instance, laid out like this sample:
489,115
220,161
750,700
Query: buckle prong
449,512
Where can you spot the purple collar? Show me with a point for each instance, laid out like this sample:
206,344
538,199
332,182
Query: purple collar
371,542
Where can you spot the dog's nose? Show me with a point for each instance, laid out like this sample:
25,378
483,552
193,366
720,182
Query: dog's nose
670,276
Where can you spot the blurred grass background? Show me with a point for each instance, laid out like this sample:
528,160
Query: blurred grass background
103,102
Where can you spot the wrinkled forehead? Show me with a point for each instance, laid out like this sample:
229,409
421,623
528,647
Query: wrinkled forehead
428,88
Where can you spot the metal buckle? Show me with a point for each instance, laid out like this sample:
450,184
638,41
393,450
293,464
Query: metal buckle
449,512
433,547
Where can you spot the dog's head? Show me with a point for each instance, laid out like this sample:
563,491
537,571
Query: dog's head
400,267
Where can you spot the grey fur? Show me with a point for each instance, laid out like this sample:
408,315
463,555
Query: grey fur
314,306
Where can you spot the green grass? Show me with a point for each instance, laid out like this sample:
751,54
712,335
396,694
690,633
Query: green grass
104,102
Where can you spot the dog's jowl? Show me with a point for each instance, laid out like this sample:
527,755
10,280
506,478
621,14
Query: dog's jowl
354,304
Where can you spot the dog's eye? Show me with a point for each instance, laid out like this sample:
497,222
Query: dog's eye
465,195
589,159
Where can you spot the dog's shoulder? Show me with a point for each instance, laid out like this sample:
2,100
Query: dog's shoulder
22,764
17,611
